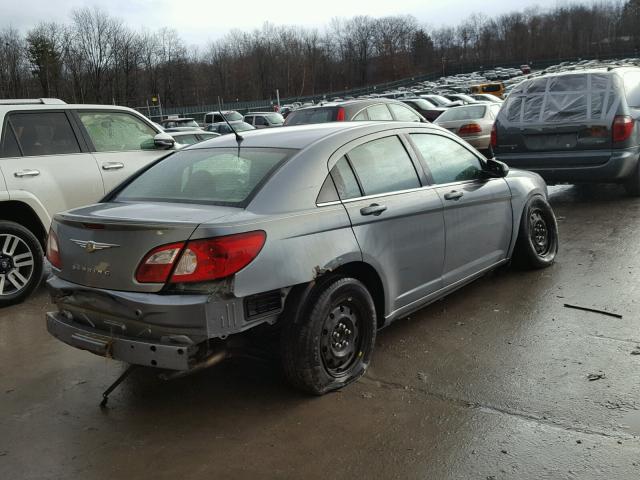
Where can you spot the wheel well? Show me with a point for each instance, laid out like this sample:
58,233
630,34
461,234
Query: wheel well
370,278
24,215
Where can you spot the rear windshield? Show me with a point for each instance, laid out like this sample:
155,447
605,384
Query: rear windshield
312,115
565,98
217,176
421,103
492,87
463,113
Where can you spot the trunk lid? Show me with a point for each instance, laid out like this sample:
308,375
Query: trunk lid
102,245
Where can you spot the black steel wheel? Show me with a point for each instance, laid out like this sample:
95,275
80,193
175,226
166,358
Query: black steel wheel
21,263
537,243
330,341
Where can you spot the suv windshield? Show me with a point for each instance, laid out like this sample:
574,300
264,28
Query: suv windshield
218,176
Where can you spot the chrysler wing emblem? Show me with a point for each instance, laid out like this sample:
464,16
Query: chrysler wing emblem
90,246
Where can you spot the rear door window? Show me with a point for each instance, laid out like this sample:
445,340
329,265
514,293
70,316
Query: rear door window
379,113
404,114
10,146
44,133
448,161
383,166
117,131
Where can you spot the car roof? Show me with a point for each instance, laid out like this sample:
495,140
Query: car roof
302,136
62,106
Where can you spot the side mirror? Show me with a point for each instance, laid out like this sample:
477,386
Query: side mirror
163,140
496,168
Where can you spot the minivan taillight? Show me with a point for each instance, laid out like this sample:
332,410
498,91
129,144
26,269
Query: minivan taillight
340,117
200,260
494,136
622,128
53,250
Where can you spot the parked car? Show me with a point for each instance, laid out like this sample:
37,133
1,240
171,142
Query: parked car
471,122
54,157
193,136
171,123
462,98
318,234
574,127
495,89
376,109
215,117
264,119
486,97
424,107
440,101
224,129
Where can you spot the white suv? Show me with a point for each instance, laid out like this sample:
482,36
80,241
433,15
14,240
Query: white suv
53,157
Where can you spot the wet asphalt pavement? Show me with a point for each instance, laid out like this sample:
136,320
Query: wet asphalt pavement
491,382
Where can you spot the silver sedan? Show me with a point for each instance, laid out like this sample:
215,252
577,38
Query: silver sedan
473,123
317,234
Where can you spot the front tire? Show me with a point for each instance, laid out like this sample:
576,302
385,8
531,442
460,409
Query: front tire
21,263
537,243
330,343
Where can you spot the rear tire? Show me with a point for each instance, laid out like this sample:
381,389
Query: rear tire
330,343
537,243
21,263
632,185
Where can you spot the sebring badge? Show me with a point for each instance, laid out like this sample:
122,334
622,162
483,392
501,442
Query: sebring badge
90,246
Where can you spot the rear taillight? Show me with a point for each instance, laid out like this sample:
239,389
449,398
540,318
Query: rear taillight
622,128
214,258
470,129
494,136
158,263
341,115
200,260
53,250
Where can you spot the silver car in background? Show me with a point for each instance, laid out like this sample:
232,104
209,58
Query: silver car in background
471,122
319,234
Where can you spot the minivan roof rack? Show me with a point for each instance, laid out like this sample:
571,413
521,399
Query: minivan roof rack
33,101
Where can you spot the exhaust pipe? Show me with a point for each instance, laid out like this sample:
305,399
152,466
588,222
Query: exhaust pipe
213,359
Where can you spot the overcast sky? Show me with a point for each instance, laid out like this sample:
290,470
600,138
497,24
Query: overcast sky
198,21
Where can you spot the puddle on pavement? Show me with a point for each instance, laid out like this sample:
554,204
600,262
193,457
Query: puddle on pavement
631,421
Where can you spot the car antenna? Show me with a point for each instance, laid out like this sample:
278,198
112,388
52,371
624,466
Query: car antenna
239,138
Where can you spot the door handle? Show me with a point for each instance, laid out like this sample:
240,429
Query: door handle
373,209
112,166
27,173
453,195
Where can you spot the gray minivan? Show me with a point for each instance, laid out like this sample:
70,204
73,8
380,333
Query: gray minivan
574,127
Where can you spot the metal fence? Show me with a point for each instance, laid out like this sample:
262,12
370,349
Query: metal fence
451,68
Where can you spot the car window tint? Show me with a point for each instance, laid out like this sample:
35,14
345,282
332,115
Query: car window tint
117,132
447,160
345,180
219,176
361,116
463,113
384,166
260,121
187,139
44,133
9,143
379,113
403,114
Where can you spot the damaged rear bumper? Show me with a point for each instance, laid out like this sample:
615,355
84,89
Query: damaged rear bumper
130,350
